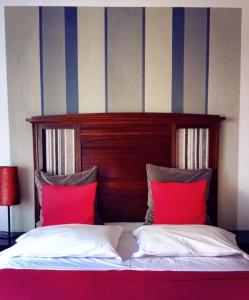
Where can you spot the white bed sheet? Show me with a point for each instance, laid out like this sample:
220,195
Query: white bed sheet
127,245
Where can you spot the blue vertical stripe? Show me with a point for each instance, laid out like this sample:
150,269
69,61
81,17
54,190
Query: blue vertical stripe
207,61
41,60
143,60
106,59
177,59
71,59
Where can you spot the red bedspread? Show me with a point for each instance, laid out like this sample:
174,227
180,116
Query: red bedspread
120,285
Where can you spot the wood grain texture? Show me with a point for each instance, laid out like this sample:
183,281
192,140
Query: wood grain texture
121,144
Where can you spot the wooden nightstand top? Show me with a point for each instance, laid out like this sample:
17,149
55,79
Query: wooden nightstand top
4,241
242,238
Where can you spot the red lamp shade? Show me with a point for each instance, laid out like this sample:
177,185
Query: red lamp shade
9,188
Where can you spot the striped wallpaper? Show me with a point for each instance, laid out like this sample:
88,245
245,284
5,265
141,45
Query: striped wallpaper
60,151
192,148
97,59
124,59
150,59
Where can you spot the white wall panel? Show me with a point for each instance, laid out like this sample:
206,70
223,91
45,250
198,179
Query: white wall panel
224,86
158,59
23,74
124,59
91,60
4,116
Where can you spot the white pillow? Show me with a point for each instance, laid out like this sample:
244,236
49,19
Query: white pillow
71,240
185,240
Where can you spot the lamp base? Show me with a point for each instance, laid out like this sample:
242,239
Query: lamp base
9,232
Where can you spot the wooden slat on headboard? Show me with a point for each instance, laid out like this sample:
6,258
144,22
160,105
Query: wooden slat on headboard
121,144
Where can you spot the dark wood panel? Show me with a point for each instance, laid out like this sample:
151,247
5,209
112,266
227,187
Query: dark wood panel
121,161
121,144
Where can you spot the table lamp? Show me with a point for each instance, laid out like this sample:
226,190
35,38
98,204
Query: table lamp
9,190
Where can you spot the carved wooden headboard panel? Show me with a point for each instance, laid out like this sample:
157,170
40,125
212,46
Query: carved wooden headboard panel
121,144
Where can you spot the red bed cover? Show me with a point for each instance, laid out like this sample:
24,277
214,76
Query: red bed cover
120,285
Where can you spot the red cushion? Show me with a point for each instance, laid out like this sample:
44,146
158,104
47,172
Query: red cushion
68,204
179,203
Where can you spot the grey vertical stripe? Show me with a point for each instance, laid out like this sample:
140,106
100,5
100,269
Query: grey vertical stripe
70,153
200,148
41,60
186,148
48,169
194,149
62,151
207,60
195,48
53,42
53,151
59,151
207,149
106,59
143,60
56,152
65,147
124,59
197,148
204,147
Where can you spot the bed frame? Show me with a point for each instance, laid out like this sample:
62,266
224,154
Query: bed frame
121,144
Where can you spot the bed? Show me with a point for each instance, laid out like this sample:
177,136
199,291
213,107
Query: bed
121,144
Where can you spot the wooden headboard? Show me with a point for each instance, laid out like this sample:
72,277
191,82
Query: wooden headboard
121,144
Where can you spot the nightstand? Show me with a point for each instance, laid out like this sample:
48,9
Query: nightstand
242,237
4,241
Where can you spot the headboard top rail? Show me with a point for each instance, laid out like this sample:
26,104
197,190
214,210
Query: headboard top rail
122,118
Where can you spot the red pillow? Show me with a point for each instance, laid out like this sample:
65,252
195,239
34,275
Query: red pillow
179,202
68,204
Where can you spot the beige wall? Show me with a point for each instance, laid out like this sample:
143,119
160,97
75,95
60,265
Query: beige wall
4,116
226,206
23,75
243,178
158,57
91,59
224,85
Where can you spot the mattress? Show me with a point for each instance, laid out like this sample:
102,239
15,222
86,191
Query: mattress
127,245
